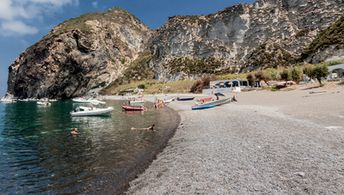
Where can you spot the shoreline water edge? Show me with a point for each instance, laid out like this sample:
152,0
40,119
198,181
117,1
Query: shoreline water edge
146,161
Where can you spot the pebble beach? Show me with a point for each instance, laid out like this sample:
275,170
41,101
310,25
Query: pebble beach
286,142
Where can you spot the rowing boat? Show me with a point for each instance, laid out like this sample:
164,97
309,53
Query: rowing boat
185,98
211,104
133,108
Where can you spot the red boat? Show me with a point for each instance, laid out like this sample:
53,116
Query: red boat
133,108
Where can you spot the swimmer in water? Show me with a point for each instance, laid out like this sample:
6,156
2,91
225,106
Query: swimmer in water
151,128
74,131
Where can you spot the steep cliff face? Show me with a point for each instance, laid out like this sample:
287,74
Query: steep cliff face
328,45
266,33
80,55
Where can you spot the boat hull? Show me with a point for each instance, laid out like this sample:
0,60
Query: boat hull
133,108
96,112
186,98
211,104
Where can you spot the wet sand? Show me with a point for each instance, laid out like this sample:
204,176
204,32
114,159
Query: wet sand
283,142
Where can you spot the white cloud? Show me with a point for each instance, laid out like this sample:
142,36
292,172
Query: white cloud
16,15
17,27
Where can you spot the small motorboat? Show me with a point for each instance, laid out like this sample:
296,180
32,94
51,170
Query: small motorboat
91,111
43,103
84,100
167,101
185,98
211,104
133,108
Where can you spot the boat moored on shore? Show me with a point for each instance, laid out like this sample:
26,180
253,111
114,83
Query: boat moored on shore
185,98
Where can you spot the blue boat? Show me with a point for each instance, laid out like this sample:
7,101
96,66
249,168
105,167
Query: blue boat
202,107
185,98
210,104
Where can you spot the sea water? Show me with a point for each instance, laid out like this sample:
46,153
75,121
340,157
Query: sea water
38,154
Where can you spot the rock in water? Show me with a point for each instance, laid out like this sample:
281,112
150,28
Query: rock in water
80,55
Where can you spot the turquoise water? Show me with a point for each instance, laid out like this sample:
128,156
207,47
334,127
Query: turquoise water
38,154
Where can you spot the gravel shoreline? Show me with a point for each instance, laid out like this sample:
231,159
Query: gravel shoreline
252,148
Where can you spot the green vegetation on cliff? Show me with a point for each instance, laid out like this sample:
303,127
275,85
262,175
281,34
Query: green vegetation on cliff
191,66
334,35
138,70
114,14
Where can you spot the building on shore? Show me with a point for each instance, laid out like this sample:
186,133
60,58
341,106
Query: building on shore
228,86
336,72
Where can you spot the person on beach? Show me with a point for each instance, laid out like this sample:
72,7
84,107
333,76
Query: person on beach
151,128
234,99
74,131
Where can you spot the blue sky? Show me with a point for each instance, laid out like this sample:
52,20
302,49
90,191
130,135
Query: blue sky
24,22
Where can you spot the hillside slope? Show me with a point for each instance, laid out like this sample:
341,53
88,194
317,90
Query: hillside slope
328,45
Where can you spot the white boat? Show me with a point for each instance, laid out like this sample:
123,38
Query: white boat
211,104
83,100
91,111
43,103
166,101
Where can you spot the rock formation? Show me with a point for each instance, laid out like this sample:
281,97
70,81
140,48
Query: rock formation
328,45
266,33
89,52
78,56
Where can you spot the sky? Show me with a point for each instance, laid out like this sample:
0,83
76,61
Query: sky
24,22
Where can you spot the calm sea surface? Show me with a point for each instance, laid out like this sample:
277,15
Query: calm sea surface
38,154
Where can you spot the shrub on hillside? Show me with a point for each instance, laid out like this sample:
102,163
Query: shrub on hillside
250,78
262,76
320,71
272,73
285,75
309,70
296,74
201,84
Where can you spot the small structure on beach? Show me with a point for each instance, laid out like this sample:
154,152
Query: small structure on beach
336,72
226,86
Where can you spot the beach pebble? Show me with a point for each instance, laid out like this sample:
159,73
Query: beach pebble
301,174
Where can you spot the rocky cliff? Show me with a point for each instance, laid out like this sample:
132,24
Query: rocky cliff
266,33
80,55
328,45
89,52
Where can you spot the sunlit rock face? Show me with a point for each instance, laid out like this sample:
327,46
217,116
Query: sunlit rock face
87,53
266,33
